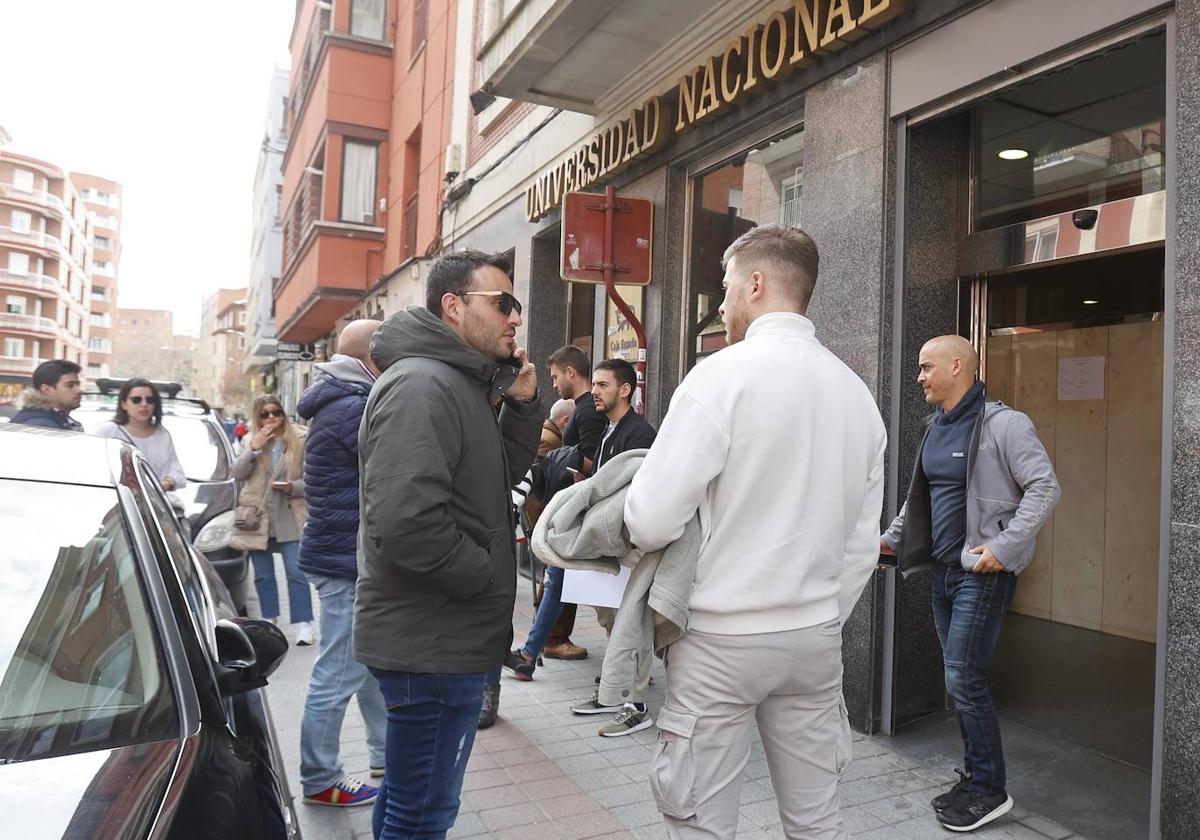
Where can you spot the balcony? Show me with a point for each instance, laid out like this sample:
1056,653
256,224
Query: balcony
28,323
39,197
34,282
18,364
571,53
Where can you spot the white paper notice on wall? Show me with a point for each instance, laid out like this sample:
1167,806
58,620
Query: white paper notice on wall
595,589
1081,378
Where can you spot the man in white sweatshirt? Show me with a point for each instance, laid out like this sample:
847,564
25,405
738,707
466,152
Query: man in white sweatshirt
780,447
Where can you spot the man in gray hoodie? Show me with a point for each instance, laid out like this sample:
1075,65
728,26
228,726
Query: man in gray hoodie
982,488
437,569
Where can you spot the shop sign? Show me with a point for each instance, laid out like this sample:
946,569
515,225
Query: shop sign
620,339
765,53
290,351
768,52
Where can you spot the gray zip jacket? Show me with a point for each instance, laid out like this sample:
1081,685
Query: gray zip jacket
583,527
1011,492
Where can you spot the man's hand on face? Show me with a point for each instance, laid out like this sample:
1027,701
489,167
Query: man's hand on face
987,564
525,388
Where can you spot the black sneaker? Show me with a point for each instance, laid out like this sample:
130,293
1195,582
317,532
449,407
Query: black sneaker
944,800
975,810
491,706
516,663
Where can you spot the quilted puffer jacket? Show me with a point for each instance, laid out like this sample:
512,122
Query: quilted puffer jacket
333,406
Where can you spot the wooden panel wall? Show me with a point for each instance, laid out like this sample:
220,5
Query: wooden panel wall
1097,557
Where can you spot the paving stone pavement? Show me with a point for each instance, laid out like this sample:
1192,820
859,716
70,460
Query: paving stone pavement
542,773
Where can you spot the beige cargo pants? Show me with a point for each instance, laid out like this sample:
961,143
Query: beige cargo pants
790,683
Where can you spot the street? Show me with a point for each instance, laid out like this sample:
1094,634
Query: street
542,773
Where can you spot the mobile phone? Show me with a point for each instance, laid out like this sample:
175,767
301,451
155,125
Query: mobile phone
888,559
573,471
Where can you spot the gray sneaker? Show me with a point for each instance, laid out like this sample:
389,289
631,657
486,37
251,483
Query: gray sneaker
627,721
491,706
591,706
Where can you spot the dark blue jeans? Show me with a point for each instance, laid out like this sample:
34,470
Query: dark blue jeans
431,720
968,610
548,612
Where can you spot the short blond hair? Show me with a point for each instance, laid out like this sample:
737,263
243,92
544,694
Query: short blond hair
791,252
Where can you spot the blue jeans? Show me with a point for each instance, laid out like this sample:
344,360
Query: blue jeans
299,595
336,677
430,732
968,610
548,612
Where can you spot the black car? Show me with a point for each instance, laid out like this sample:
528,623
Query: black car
209,498
131,701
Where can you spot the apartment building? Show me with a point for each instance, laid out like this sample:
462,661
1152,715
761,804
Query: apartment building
103,200
147,346
45,270
220,350
369,109
266,240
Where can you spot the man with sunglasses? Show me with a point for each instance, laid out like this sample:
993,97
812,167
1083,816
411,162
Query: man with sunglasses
437,569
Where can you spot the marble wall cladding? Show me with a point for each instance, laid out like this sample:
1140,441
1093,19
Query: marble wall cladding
1181,741
845,134
930,291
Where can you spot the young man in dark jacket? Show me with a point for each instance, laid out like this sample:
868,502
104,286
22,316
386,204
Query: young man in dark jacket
437,573
55,394
333,406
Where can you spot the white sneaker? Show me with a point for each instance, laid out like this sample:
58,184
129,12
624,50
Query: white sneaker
304,633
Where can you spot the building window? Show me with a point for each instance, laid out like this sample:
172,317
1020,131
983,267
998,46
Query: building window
420,23
18,263
359,162
761,186
21,221
14,305
99,345
367,18
279,204
23,180
14,347
103,242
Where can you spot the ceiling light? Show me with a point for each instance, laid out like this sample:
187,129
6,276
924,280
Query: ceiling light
1012,154
1090,302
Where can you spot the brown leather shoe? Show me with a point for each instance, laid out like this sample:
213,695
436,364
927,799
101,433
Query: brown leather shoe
567,650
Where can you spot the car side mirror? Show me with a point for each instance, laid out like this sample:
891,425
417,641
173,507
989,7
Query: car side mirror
248,651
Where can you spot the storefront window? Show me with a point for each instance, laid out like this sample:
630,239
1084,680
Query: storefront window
582,316
762,186
1084,135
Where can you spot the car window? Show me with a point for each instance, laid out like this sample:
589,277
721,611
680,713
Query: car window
199,443
81,662
178,552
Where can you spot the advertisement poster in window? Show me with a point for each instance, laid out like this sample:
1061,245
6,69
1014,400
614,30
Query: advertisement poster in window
620,341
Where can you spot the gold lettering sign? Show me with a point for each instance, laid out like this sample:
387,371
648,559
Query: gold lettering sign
606,153
765,53
769,51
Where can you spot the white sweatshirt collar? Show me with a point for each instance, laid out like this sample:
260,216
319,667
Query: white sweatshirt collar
782,323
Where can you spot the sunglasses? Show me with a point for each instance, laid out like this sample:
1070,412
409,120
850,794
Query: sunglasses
269,413
139,400
506,304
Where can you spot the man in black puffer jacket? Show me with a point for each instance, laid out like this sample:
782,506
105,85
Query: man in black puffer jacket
333,406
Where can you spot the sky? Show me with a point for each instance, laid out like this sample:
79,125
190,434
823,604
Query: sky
170,100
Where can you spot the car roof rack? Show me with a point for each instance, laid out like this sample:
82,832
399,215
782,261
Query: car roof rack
170,390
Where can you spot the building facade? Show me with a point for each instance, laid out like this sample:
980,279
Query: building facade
148,347
1012,173
103,200
220,351
45,270
266,240
369,110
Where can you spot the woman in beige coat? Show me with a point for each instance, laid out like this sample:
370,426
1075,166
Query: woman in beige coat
271,469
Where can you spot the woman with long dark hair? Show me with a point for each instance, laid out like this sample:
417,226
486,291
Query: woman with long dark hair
138,422
271,469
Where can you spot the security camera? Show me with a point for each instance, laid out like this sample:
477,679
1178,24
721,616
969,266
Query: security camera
1085,219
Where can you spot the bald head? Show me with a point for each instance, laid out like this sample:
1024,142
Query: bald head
560,413
355,339
948,366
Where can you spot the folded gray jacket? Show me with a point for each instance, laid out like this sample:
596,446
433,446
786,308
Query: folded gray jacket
583,528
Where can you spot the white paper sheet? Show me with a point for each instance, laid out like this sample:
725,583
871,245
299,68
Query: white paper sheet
1081,378
595,589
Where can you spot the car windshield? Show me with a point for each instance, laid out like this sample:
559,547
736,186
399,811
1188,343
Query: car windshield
82,668
197,440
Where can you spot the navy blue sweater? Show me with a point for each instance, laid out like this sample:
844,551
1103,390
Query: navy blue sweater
334,409
944,459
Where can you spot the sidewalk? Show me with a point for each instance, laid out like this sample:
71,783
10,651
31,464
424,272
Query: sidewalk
542,773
